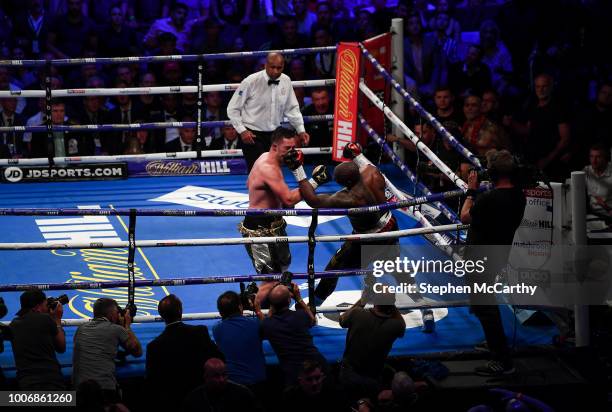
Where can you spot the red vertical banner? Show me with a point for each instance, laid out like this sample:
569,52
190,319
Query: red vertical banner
347,92
380,48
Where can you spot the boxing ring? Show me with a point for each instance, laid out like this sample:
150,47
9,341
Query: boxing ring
182,233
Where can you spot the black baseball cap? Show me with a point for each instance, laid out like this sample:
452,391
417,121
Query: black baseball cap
30,299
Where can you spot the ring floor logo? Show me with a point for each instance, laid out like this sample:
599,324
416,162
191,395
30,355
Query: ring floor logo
13,174
206,198
346,298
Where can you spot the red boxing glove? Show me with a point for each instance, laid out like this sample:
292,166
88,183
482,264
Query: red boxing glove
351,150
293,159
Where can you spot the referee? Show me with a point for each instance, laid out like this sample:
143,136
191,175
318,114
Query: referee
259,105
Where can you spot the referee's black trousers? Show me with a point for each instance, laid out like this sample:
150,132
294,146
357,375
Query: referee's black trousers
253,151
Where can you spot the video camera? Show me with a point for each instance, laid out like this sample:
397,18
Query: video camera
523,175
247,294
52,302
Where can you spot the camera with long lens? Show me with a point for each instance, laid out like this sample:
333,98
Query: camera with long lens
52,302
130,307
247,295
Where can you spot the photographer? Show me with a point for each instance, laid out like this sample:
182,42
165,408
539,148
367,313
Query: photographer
289,331
239,340
37,334
95,346
493,216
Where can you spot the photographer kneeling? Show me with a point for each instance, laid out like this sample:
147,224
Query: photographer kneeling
36,335
95,346
493,216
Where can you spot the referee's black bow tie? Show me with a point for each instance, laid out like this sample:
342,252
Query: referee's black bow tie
270,82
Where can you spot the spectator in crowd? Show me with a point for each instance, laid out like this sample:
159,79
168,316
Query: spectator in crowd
315,391
470,75
23,76
96,343
64,143
149,103
305,18
403,394
215,111
320,132
324,63
547,130
369,339
289,38
424,65
118,38
233,12
297,70
69,33
171,74
490,105
478,132
594,123
288,331
446,112
239,339
483,213
175,357
37,334
140,141
142,13
497,57
11,143
125,112
228,141
177,24
186,141
166,45
599,181
92,111
7,83
250,108
210,37
31,28
337,30
453,28
448,45
37,119
169,113
219,393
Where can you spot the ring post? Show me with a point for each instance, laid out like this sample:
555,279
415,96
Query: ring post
397,71
199,104
130,265
311,249
48,122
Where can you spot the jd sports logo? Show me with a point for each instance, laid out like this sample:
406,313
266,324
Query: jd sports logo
13,174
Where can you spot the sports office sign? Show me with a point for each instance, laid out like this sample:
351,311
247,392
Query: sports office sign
72,173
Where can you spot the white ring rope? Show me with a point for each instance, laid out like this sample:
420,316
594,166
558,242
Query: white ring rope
231,241
206,154
410,134
322,309
120,91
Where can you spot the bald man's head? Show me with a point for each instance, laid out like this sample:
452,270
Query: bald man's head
275,64
215,377
279,297
347,174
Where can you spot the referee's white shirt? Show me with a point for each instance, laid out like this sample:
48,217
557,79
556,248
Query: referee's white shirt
258,106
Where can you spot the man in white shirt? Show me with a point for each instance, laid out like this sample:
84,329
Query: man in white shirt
259,105
599,180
